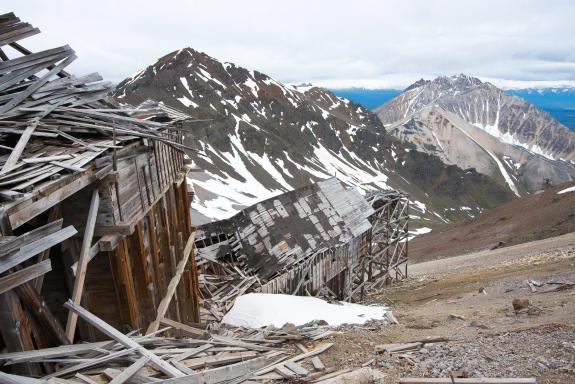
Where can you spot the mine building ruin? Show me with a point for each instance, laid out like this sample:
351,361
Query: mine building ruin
322,238
95,224
93,205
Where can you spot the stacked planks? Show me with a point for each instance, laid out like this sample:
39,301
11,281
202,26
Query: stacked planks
53,124
217,356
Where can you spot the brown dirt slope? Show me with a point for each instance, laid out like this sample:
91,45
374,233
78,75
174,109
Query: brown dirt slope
534,217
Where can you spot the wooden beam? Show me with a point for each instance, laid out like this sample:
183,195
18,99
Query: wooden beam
185,329
10,163
83,263
49,353
107,329
36,247
109,242
36,304
130,371
15,332
91,363
124,285
225,373
142,276
23,215
6,378
163,307
22,276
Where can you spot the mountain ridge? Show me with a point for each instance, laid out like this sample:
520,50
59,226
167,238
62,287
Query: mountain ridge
488,107
265,138
454,118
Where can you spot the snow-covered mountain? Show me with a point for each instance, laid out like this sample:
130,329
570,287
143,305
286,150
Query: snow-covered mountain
258,138
470,123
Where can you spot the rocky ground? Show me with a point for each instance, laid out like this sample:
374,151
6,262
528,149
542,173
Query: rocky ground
469,301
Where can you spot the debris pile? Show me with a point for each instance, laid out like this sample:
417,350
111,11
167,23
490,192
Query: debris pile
210,356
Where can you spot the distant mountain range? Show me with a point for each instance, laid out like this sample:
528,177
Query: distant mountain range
263,137
474,124
559,102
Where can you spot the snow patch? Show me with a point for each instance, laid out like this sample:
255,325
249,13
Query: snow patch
256,310
566,190
187,102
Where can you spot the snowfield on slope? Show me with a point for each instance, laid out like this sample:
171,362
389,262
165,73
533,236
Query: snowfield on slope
566,190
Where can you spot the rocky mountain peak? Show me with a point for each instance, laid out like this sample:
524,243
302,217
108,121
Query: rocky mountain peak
265,137
508,118
471,123
450,84
417,84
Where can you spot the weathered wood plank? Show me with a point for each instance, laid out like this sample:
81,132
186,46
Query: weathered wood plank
130,371
47,353
92,362
224,374
316,351
107,329
219,359
35,247
19,148
23,215
191,352
296,368
22,276
186,329
135,379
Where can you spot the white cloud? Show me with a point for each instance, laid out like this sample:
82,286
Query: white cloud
362,42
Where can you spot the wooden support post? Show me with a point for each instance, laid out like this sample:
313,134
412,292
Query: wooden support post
36,304
83,263
124,284
15,331
154,248
141,275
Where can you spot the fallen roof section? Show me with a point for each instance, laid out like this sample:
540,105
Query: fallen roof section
322,239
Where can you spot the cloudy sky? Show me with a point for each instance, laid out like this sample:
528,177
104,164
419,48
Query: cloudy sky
331,42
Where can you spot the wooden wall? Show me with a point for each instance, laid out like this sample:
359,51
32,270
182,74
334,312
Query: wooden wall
146,201
142,227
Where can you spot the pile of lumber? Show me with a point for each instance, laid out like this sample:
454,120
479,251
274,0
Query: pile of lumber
53,123
220,293
201,356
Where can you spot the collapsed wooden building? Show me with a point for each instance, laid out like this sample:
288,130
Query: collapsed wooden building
93,205
323,239
97,242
